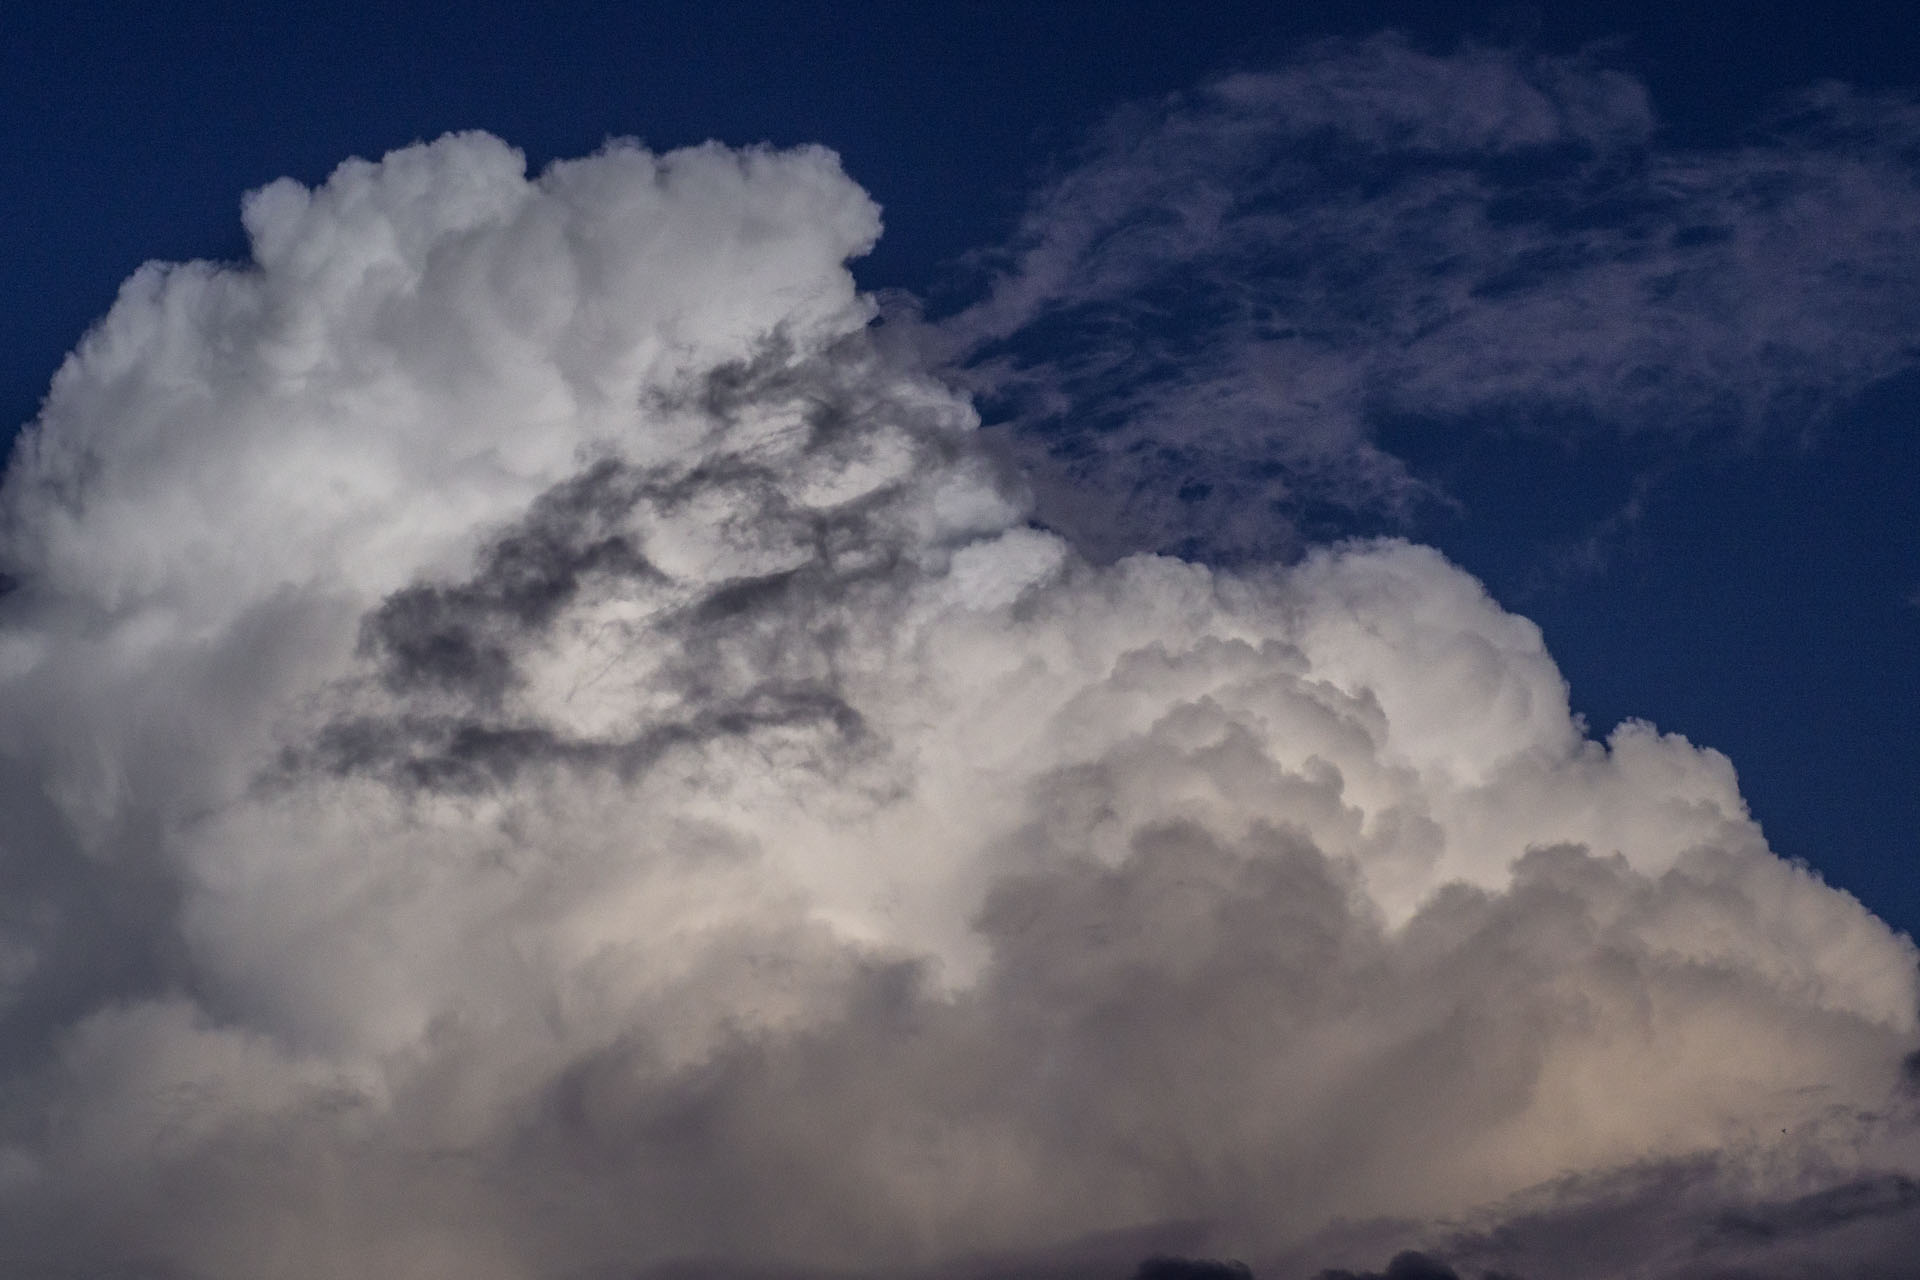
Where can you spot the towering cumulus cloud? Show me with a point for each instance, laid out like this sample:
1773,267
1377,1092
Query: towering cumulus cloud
534,749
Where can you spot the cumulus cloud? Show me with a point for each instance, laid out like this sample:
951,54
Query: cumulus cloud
1236,316
536,747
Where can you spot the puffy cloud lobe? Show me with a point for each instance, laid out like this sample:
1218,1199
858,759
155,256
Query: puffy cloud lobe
539,749
1231,321
420,348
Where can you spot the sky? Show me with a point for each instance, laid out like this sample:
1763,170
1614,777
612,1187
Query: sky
1076,640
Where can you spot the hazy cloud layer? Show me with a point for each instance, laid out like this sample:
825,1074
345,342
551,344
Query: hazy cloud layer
533,748
1205,323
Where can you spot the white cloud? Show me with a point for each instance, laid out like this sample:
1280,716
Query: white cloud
534,748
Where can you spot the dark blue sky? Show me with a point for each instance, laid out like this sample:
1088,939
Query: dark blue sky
1761,600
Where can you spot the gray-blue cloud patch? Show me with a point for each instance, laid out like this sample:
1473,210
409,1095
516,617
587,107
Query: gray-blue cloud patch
1202,323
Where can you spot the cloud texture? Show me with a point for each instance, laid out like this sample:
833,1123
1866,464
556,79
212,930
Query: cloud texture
534,748
1244,307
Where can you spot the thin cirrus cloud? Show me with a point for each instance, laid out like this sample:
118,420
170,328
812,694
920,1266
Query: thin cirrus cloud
1238,307
537,746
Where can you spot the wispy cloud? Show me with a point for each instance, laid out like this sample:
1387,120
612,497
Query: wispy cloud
1225,311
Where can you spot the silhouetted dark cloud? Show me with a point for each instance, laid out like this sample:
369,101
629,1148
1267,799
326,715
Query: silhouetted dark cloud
1410,1265
1163,1268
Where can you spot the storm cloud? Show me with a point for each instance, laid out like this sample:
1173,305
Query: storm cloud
537,746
